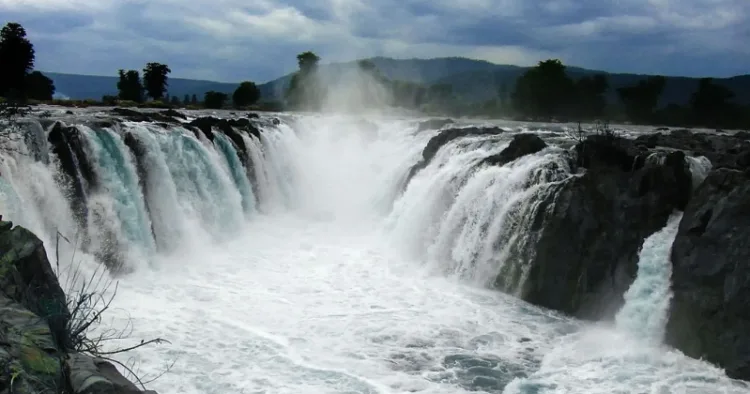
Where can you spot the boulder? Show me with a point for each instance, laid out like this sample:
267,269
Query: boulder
89,375
589,229
709,316
29,355
521,145
27,278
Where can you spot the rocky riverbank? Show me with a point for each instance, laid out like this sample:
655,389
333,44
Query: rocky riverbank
590,228
37,353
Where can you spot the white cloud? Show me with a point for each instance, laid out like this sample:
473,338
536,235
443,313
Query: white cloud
234,39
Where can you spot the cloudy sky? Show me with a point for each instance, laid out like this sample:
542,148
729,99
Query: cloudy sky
230,40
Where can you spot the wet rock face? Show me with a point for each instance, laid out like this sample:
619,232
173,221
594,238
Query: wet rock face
709,315
521,145
35,338
29,353
70,148
591,227
27,278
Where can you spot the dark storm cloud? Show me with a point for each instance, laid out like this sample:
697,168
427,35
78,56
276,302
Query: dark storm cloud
233,39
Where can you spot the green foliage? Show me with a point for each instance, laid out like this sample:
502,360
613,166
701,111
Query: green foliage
16,60
175,101
215,100
246,94
155,79
186,100
640,100
129,86
305,90
39,87
307,61
194,100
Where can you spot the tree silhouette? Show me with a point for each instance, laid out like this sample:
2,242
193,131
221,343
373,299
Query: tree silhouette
129,86
589,100
39,86
641,100
186,100
246,94
305,90
307,61
214,100
155,79
543,91
16,60
710,103
194,100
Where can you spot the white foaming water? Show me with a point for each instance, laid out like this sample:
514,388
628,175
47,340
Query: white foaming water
647,299
323,294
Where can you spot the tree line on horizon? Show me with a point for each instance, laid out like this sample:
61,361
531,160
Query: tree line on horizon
545,92
21,83
154,85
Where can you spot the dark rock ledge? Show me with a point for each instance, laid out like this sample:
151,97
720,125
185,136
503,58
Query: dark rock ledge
35,352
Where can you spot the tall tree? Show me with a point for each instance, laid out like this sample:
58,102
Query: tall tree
129,86
544,90
194,100
307,61
39,86
641,100
175,101
710,103
186,100
16,59
215,100
305,90
589,96
155,79
246,94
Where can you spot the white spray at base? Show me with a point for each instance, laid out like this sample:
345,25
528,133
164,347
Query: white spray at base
314,291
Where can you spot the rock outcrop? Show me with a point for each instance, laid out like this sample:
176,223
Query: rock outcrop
521,145
588,234
709,316
36,350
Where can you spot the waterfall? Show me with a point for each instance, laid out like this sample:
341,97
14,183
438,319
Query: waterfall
474,221
118,207
145,189
647,300
239,173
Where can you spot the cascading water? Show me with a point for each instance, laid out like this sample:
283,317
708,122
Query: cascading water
300,265
647,300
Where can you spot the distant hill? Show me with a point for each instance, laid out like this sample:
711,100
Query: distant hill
473,80
82,87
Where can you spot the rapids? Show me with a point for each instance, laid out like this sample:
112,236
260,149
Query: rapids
316,271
